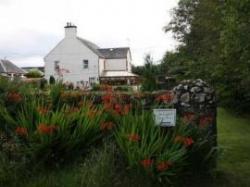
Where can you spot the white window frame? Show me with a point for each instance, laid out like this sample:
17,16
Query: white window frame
85,64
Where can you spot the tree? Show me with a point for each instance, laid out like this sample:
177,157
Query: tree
149,75
214,37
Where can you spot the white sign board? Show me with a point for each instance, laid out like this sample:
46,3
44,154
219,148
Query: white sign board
165,117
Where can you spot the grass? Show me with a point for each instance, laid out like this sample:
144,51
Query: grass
233,165
234,139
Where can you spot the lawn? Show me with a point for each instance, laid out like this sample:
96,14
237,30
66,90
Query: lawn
234,139
233,165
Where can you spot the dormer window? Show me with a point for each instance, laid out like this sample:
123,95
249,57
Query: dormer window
85,64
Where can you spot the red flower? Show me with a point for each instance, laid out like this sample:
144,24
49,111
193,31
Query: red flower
14,97
107,98
162,166
188,142
21,131
106,126
134,137
167,97
205,120
188,117
44,129
146,163
118,108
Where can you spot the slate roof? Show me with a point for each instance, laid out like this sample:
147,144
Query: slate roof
114,53
109,53
7,66
91,46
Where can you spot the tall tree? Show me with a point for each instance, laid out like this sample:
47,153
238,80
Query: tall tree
196,25
215,46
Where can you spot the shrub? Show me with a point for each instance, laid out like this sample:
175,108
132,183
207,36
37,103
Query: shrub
43,83
147,148
50,136
33,74
52,80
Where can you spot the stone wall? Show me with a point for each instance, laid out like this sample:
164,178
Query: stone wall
199,98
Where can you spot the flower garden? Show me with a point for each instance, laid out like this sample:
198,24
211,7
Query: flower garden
43,130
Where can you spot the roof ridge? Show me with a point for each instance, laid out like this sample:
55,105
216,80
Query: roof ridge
116,48
1,61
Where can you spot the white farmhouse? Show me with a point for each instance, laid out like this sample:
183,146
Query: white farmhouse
82,62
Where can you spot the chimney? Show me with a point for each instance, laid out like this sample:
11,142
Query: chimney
70,30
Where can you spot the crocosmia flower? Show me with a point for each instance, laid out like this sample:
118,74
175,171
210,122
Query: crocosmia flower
146,163
21,131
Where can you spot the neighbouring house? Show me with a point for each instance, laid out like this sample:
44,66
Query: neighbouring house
82,62
10,70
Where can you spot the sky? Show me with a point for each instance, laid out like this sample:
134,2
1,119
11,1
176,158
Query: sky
29,29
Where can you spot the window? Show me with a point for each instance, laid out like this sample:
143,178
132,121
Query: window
92,81
85,64
56,65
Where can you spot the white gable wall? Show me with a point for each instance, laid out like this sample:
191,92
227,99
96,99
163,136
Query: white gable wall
116,64
70,52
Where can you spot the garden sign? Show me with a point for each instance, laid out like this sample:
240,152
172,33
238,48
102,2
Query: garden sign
165,117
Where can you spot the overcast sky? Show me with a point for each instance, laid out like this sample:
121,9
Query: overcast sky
29,29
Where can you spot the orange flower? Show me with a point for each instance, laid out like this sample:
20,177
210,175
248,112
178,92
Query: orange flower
134,137
187,141
44,129
21,131
108,107
126,109
167,97
91,114
106,126
106,88
205,120
146,163
43,110
162,166
188,117
14,97
179,139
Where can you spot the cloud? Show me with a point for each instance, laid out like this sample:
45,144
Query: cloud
26,43
31,61
5,2
32,27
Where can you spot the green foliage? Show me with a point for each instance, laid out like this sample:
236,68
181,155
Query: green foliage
43,83
52,80
140,140
33,74
213,46
149,72
54,128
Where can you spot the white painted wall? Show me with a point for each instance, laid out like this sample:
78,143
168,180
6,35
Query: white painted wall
71,53
101,65
115,64
129,59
